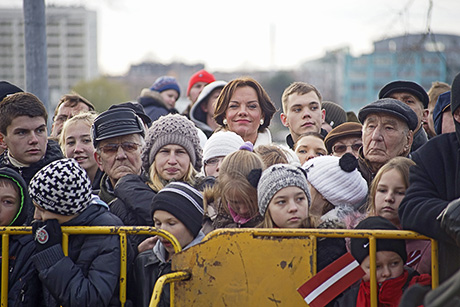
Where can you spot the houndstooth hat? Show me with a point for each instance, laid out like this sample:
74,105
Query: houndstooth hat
61,187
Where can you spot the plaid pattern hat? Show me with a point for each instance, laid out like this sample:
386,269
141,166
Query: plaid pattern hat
277,177
61,187
184,202
172,129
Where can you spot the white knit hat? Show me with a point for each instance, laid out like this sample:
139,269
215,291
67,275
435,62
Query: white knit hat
221,143
337,179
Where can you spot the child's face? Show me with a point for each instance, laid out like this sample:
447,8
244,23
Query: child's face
166,221
43,215
9,204
389,265
389,194
289,208
240,205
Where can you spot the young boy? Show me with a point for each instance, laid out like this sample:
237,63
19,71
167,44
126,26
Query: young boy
23,283
89,275
177,208
24,137
393,278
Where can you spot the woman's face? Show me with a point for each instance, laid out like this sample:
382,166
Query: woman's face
289,208
389,194
244,113
172,162
309,147
78,145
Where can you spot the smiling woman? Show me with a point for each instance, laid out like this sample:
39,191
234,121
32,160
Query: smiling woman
245,108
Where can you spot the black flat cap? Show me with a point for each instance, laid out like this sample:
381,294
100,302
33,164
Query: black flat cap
137,108
116,122
405,86
7,88
392,107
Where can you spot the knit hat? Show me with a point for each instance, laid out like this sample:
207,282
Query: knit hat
337,179
182,201
196,113
405,86
335,114
137,108
61,187
392,107
360,246
172,129
114,123
7,88
221,143
200,76
277,177
441,106
165,83
348,129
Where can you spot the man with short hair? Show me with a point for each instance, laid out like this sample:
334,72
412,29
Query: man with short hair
413,95
388,129
302,111
118,135
69,106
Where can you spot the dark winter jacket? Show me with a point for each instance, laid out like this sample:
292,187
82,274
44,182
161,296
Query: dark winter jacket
133,204
24,288
148,267
53,152
89,276
154,107
420,138
434,182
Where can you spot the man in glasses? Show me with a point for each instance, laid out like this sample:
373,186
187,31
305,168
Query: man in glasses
344,138
118,135
388,129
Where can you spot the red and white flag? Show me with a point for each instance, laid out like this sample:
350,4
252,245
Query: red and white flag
331,281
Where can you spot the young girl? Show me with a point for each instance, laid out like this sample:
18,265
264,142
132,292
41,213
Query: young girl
392,277
386,193
310,145
178,209
232,201
284,202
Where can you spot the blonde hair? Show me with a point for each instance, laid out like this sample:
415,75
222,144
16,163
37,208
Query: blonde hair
400,164
157,183
309,222
85,117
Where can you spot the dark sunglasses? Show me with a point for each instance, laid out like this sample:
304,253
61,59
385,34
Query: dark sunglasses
342,148
113,148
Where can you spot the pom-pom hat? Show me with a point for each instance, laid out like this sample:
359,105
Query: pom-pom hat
337,179
61,187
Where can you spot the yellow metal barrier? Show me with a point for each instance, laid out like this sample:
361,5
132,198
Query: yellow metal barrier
183,263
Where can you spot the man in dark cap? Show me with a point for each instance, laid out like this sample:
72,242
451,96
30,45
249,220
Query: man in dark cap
388,129
118,135
7,89
413,95
137,108
434,183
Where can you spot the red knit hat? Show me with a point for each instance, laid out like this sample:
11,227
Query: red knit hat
200,76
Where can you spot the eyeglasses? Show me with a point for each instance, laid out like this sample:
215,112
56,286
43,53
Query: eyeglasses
342,148
113,148
213,161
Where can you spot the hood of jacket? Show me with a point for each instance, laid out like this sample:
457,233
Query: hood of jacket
24,199
160,251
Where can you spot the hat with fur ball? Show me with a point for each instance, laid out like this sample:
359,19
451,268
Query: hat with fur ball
360,246
184,202
172,129
337,179
277,177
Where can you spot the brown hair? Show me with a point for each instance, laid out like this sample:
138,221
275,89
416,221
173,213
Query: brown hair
300,88
436,89
267,106
71,100
271,154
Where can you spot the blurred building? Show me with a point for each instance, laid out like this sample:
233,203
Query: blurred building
72,47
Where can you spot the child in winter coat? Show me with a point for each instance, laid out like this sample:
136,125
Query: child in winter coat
23,283
178,209
387,190
284,202
393,278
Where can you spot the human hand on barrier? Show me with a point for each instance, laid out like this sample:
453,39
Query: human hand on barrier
450,220
147,244
46,234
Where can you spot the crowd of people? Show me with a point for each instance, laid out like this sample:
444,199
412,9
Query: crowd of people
394,165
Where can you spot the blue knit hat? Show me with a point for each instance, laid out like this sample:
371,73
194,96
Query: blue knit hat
441,106
165,83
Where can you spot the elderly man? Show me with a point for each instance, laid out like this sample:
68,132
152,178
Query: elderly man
69,106
435,182
413,95
118,135
388,129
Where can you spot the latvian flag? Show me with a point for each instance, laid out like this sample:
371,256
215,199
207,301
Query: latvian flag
331,281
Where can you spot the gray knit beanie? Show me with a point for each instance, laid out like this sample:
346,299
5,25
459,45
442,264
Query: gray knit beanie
172,129
277,177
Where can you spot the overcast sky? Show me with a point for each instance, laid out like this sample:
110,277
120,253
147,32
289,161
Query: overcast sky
262,34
